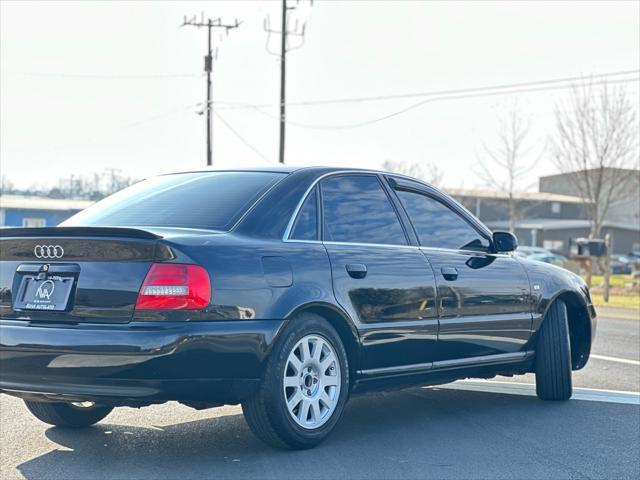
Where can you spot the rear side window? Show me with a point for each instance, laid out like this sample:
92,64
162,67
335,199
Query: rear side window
438,226
209,200
306,226
357,210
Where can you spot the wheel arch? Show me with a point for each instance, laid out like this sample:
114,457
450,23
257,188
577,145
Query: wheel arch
579,326
339,320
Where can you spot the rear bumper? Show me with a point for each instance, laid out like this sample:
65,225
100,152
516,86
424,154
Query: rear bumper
137,363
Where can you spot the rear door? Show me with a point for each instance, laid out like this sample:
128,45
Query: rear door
384,283
483,297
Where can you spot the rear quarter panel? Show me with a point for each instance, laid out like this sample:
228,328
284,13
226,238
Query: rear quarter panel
260,279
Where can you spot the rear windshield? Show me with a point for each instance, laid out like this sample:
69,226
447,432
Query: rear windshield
210,200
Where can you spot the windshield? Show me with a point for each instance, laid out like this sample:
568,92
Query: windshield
210,200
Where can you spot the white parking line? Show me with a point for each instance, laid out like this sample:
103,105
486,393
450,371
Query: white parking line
528,389
615,359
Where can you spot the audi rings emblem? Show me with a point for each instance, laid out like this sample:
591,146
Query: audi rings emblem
48,251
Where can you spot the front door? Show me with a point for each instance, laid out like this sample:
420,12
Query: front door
386,285
483,297
483,303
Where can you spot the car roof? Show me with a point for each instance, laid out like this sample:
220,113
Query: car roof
268,168
319,169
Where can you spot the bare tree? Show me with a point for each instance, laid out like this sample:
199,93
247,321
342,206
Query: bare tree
6,185
95,186
429,172
505,167
596,140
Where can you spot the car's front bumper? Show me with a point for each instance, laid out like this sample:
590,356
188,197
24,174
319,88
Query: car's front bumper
136,363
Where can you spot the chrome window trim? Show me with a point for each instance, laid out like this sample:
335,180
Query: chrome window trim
292,220
353,244
388,245
357,244
288,230
301,241
469,252
450,203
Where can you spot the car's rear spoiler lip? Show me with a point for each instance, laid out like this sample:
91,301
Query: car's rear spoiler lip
78,232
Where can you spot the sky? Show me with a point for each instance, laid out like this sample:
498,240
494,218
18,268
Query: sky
86,86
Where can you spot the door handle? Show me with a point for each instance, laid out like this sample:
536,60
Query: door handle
449,273
356,270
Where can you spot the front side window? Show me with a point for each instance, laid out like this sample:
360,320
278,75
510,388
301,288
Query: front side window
438,226
306,226
357,210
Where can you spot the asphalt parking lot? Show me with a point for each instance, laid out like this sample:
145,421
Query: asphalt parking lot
615,358
466,430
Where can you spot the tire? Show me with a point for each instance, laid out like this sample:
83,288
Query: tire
553,355
303,413
67,414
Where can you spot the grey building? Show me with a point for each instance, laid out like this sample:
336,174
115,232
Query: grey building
557,235
492,205
624,209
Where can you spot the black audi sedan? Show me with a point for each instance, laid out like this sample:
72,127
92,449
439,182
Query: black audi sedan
284,290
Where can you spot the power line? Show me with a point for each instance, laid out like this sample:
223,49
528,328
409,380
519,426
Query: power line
435,99
208,66
160,115
434,92
463,90
240,137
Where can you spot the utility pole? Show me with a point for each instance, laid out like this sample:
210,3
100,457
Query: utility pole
283,79
208,67
284,32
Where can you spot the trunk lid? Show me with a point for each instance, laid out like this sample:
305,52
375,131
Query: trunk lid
75,274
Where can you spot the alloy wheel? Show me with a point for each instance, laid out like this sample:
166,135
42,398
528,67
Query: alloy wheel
312,381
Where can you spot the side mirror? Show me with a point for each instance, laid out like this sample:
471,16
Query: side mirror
504,242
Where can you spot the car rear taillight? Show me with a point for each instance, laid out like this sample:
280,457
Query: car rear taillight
172,286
